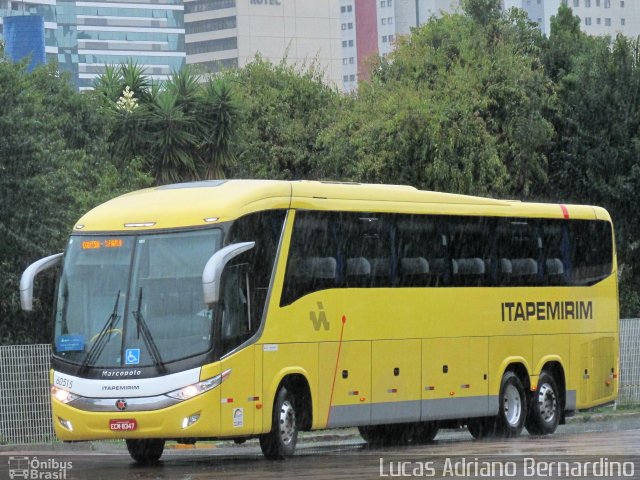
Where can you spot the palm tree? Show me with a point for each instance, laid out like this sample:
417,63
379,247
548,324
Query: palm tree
172,144
218,117
182,129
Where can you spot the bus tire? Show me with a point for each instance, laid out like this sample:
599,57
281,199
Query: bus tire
280,442
425,432
387,435
544,413
480,428
146,451
397,434
374,435
512,409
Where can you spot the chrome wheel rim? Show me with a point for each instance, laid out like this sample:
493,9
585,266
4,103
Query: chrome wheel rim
547,404
287,423
512,405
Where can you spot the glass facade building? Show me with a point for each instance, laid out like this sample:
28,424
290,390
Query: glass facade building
211,33
83,37
44,8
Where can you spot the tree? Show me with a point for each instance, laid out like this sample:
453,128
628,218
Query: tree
459,105
179,130
284,109
53,167
219,119
566,42
483,12
596,157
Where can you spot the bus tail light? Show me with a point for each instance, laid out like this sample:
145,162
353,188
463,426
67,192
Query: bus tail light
191,391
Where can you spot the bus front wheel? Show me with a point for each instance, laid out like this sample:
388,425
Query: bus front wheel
281,441
512,410
145,451
545,407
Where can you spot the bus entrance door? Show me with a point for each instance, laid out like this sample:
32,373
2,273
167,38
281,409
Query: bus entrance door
238,396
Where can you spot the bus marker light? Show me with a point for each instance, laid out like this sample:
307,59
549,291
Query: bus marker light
430,388
211,219
139,224
253,399
452,394
258,406
227,400
354,393
466,385
362,399
392,390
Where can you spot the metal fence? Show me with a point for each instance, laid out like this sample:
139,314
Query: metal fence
25,408
629,361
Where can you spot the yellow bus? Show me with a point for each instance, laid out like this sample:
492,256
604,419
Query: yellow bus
241,309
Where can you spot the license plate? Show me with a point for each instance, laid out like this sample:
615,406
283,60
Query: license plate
123,425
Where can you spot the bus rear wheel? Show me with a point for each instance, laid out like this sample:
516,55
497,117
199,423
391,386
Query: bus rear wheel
387,435
145,451
545,407
281,441
512,410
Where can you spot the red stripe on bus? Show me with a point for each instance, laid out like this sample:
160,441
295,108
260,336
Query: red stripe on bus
565,211
335,373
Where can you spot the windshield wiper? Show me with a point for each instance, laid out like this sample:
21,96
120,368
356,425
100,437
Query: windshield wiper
103,337
147,337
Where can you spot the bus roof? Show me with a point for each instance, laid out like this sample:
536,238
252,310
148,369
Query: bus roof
208,202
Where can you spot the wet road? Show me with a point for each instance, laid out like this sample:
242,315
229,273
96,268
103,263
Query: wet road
608,449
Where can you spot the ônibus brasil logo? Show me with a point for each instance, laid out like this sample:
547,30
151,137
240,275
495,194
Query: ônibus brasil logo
35,468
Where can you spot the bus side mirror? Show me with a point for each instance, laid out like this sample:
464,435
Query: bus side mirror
214,267
29,275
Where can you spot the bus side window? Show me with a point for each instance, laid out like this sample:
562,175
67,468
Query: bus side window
591,251
264,228
367,244
555,241
235,321
519,253
422,251
312,264
470,250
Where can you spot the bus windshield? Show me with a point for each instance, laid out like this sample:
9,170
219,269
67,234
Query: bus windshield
134,300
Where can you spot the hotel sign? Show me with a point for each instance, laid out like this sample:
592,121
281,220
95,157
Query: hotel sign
266,2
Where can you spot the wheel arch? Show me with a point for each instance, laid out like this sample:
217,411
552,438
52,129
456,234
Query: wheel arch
296,381
520,366
555,367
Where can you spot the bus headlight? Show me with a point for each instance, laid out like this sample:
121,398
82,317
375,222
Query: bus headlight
63,396
191,391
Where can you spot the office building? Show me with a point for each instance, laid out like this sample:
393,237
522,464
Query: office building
229,33
84,36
